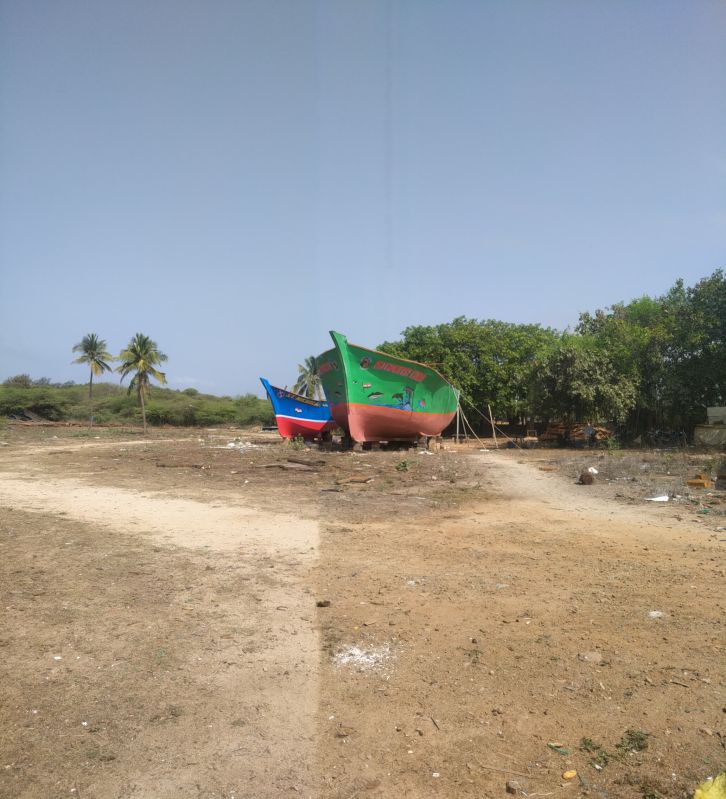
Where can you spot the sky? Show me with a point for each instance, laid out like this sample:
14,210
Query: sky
236,178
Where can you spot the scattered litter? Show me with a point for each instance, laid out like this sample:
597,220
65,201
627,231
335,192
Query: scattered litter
240,445
557,747
372,659
569,775
436,774
664,498
57,657
656,614
712,788
322,603
593,470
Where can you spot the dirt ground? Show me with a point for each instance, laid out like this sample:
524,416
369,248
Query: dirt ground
216,614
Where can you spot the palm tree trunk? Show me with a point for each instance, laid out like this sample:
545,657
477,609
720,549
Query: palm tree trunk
90,396
143,408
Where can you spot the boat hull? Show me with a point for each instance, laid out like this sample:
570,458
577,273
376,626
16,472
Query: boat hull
298,416
368,423
374,396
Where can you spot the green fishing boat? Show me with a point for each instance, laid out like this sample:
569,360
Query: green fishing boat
374,396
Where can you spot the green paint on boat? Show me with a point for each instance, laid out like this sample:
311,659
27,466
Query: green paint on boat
375,396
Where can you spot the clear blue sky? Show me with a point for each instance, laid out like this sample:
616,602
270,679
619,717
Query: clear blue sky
236,178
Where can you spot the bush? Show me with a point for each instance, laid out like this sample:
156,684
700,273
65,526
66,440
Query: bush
19,381
113,404
252,410
44,403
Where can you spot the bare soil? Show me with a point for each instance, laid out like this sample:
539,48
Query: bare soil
216,614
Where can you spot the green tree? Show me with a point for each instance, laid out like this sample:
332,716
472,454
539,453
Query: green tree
141,356
308,381
488,361
93,352
673,347
634,338
696,352
577,380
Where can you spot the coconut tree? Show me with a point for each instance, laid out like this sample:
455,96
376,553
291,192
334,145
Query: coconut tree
308,380
141,356
93,352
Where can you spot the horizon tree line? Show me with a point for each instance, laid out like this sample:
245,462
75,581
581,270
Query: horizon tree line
651,364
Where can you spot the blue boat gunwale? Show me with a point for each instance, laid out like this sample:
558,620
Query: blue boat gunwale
313,410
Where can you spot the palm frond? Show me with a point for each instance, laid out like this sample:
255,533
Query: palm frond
140,358
308,381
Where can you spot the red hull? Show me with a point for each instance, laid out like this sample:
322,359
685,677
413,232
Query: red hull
289,428
371,423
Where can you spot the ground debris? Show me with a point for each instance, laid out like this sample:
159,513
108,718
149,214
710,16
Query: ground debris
354,479
182,465
300,467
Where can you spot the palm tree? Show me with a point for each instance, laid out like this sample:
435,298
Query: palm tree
142,355
94,353
308,380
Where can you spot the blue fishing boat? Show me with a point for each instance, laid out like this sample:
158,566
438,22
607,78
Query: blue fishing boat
297,415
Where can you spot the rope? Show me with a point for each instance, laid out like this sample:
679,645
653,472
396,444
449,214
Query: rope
466,422
463,396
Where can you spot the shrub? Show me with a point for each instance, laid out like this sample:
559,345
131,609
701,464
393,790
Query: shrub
44,403
19,381
112,403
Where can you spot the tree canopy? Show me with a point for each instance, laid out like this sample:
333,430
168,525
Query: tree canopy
308,381
93,352
490,362
654,362
141,356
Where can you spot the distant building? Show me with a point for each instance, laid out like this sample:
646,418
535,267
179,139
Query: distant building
712,434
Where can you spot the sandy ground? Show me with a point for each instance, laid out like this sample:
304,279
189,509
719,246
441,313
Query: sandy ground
484,622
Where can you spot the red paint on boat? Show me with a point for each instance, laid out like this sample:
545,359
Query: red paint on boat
371,423
289,428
